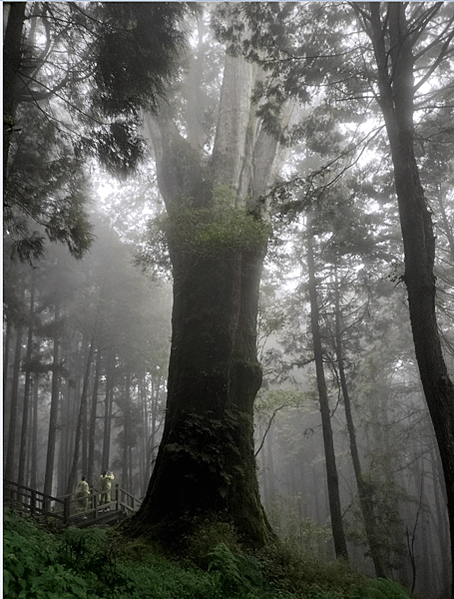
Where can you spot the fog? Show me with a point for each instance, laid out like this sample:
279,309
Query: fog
101,227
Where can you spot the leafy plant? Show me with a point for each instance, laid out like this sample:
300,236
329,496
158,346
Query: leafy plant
289,569
30,561
224,564
385,588
206,537
102,564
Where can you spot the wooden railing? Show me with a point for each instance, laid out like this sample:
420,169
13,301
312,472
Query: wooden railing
69,508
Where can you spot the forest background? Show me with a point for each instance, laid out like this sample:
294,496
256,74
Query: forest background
87,331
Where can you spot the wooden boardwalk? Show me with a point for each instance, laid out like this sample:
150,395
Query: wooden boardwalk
67,510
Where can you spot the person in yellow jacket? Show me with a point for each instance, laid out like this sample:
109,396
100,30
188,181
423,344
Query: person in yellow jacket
82,493
106,485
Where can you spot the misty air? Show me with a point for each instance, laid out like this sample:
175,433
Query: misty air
228,268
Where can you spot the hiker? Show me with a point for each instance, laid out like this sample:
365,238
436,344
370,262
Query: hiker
106,485
82,493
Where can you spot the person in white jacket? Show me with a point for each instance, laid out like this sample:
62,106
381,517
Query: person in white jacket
82,493
106,485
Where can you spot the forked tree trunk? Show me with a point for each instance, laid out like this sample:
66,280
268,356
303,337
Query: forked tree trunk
206,465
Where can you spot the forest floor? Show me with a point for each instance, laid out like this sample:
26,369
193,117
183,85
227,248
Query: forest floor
45,563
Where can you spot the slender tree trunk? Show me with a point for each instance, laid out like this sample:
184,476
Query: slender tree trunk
6,356
54,407
92,421
271,477
144,440
396,102
84,441
340,544
28,375
110,375
441,519
126,432
365,490
10,464
80,421
34,436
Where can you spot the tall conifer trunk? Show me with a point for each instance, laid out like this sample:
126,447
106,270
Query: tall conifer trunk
54,407
337,526
397,86
21,477
365,489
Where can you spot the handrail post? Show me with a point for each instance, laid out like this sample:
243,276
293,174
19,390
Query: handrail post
32,501
117,497
95,505
66,513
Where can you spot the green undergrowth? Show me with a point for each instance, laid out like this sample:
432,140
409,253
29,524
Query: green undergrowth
97,564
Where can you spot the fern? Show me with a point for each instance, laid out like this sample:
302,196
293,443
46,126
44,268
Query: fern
224,564
385,588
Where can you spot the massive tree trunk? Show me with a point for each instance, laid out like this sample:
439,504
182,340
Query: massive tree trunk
206,465
396,86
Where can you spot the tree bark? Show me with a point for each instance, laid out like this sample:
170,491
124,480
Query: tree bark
10,464
110,376
206,465
396,87
125,476
80,420
54,407
12,45
92,421
28,374
365,490
34,436
337,527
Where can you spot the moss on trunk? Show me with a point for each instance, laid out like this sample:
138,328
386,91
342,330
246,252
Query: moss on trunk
206,465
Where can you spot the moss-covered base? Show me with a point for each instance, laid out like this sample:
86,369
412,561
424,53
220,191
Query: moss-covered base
206,462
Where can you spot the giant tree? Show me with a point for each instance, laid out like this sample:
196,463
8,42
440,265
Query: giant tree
217,237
